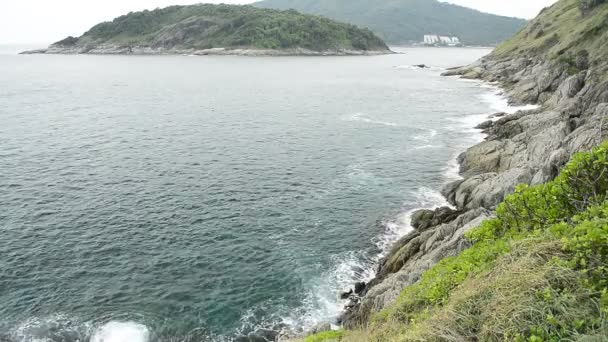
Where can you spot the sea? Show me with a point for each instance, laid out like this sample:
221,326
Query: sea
182,198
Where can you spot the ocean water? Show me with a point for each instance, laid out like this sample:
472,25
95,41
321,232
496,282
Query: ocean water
177,198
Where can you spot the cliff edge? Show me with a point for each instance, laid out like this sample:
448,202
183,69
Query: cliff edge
558,61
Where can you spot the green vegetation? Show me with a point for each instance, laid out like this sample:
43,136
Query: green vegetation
407,21
564,29
207,26
334,335
538,271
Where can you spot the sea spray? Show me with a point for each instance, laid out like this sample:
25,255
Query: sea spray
121,332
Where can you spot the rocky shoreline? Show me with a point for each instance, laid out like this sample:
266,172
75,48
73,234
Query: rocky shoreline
148,51
527,147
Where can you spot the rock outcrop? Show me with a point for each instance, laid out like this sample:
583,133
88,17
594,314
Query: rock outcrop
527,147
249,52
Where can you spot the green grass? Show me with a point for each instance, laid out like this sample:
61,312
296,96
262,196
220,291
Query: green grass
561,28
334,335
538,271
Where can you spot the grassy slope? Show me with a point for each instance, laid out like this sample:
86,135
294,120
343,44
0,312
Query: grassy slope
207,26
539,270
559,30
404,21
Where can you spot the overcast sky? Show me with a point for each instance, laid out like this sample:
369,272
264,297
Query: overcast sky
46,21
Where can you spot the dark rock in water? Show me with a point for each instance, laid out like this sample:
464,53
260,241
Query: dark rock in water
421,66
286,334
251,338
485,124
421,217
350,305
424,219
497,115
346,294
267,334
260,335
359,287
445,215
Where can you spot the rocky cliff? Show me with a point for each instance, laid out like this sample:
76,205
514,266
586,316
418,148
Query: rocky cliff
559,61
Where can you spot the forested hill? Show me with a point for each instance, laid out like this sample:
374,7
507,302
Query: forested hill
206,26
407,21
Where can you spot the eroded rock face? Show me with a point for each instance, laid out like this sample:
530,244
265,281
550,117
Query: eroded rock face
526,147
411,256
425,219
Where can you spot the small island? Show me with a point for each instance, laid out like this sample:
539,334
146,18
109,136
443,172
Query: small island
206,29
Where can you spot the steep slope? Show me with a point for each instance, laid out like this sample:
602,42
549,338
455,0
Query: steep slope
525,259
407,21
206,28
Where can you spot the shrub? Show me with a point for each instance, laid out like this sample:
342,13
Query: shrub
556,235
582,183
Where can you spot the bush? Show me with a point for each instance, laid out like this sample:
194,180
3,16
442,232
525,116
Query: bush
566,294
524,296
582,183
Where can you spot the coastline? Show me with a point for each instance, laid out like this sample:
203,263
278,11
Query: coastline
528,146
495,94
249,52
494,97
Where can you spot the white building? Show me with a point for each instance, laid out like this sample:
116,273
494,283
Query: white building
433,39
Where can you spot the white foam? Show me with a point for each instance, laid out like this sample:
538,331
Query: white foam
427,136
121,332
452,169
322,302
361,117
426,146
424,198
499,102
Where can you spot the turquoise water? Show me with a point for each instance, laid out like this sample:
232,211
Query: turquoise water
203,198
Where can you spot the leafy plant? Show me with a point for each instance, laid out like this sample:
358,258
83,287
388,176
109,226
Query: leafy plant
565,292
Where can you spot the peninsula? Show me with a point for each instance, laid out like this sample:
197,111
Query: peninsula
206,29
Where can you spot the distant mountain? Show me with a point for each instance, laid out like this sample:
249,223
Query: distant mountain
407,21
221,29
